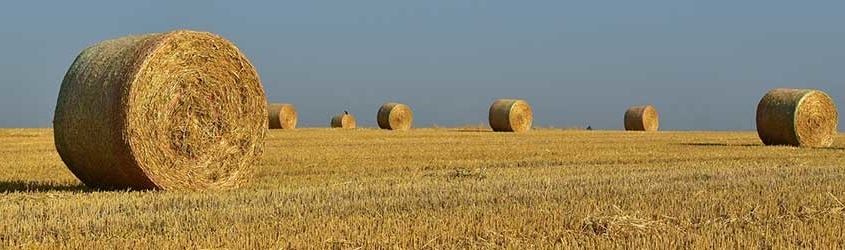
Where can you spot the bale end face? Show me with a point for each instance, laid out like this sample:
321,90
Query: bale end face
394,116
797,117
642,118
510,115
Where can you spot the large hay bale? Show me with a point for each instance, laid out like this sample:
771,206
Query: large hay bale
282,116
395,116
510,115
344,120
642,118
797,117
175,110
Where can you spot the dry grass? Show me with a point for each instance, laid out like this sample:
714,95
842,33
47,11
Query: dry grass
439,188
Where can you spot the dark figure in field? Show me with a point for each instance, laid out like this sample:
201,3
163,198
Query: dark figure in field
345,112
589,128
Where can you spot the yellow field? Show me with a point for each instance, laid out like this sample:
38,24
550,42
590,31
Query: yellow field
439,188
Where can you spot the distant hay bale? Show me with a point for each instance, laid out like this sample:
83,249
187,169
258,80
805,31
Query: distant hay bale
510,115
343,121
395,116
282,116
642,118
797,117
177,110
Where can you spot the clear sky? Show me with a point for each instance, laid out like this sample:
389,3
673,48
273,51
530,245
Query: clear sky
703,64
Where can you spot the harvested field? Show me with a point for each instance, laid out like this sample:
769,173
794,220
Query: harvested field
444,188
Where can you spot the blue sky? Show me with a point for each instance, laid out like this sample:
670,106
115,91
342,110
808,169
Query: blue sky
703,64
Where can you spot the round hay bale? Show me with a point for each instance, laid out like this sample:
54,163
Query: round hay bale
395,116
282,116
510,115
177,110
642,118
797,117
344,120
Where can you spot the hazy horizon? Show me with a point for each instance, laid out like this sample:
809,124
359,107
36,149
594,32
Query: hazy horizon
703,64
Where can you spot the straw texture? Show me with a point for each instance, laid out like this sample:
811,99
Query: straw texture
395,116
642,118
282,116
510,115
797,117
343,121
177,110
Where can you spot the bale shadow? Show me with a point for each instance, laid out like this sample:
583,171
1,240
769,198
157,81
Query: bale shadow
833,148
753,145
18,186
710,144
472,130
